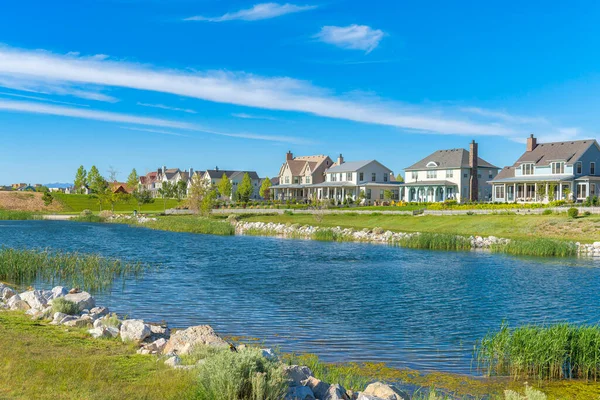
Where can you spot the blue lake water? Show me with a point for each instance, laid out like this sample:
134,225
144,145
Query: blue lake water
342,301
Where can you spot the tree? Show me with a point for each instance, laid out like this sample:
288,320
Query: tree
265,188
47,198
166,191
224,187
361,196
245,188
201,196
208,201
142,196
112,173
95,181
180,190
80,179
541,191
387,194
399,178
551,191
133,180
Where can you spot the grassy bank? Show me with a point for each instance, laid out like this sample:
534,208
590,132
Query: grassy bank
89,271
191,224
540,247
436,241
40,361
8,215
562,351
585,230
76,203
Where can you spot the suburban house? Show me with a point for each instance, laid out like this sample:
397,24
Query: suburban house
297,174
550,171
214,176
17,186
73,190
349,179
455,174
154,180
120,187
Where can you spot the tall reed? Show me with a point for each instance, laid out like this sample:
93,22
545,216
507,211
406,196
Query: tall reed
329,235
89,271
435,241
191,224
16,215
562,351
540,247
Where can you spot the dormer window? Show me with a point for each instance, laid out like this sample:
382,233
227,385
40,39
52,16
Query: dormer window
527,169
558,167
432,164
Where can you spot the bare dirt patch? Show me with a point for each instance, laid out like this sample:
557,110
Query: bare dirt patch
26,201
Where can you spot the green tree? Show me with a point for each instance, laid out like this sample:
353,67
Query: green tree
361,196
80,178
201,196
224,187
142,196
245,189
47,198
166,191
387,194
208,201
180,190
133,180
399,178
551,191
95,181
265,188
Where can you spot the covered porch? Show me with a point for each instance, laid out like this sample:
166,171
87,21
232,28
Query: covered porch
290,192
533,190
431,192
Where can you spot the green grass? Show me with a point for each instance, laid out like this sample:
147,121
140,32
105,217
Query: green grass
540,247
64,306
585,230
436,241
562,351
329,235
75,203
40,361
91,272
191,224
16,215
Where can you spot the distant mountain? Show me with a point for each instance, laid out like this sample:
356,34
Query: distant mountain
58,185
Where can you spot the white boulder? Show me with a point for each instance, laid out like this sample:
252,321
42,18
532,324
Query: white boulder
183,341
387,392
134,330
34,298
84,300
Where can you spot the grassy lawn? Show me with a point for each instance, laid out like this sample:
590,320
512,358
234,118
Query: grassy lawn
40,361
582,229
76,203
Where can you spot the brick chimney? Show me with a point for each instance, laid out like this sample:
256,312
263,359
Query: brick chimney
340,159
531,143
473,184
289,156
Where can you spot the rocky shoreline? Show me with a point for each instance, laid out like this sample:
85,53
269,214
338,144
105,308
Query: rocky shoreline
169,346
375,235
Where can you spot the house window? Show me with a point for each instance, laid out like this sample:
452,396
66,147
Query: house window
414,175
332,177
479,175
373,177
361,176
296,179
369,194
499,191
527,169
581,190
579,167
307,179
558,167
592,168
341,179
431,174
348,176
381,195
592,189
287,179
449,173
385,177
466,175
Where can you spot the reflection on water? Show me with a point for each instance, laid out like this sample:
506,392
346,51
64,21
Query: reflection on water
343,301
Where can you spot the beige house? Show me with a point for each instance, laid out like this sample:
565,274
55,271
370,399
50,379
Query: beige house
297,174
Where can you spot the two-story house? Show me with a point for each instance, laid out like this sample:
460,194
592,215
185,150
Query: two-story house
455,174
349,179
214,176
550,171
297,174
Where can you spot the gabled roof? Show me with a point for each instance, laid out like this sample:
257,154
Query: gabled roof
544,153
218,173
297,164
240,175
354,166
447,159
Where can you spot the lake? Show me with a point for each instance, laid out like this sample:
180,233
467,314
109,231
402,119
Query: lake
343,301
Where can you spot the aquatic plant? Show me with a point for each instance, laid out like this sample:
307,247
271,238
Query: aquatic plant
89,271
561,351
14,215
329,235
349,375
191,224
541,247
435,241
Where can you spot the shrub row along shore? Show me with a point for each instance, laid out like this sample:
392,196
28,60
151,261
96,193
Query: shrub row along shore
432,241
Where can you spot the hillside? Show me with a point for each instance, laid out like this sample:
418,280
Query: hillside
27,201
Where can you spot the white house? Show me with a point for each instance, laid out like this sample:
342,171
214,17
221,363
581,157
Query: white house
551,171
297,174
455,174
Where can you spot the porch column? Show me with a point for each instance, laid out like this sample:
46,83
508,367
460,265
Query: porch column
547,188
535,192
560,193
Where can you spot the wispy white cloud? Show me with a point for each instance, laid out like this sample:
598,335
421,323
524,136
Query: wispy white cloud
162,132
24,84
162,106
23,96
257,12
275,93
251,116
503,115
48,109
354,37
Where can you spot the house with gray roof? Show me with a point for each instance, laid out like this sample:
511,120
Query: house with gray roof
453,174
550,171
214,176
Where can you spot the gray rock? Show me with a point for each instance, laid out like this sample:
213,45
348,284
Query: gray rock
363,396
98,312
319,388
336,392
6,292
134,330
15,304
78,323
59,291
58,316
296,374
157,346
183,341
67,319
173,361
387,392
35,299
83,300
299,393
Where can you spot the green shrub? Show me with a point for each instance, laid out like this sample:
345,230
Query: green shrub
86,213
288,212
547,212
243,375
573,212
64,306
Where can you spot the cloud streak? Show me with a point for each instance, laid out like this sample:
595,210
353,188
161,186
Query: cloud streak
48,109
162,106
256,13
353,37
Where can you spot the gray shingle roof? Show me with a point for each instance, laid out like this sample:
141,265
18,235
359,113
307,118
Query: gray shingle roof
452,158
544,153
350,166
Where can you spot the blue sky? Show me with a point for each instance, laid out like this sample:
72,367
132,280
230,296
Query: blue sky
235,84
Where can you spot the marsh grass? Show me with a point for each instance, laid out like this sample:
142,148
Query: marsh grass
541,247
88,218
436,241
13,215
191,224
329,235
349,375
89,271
562,351
64,306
